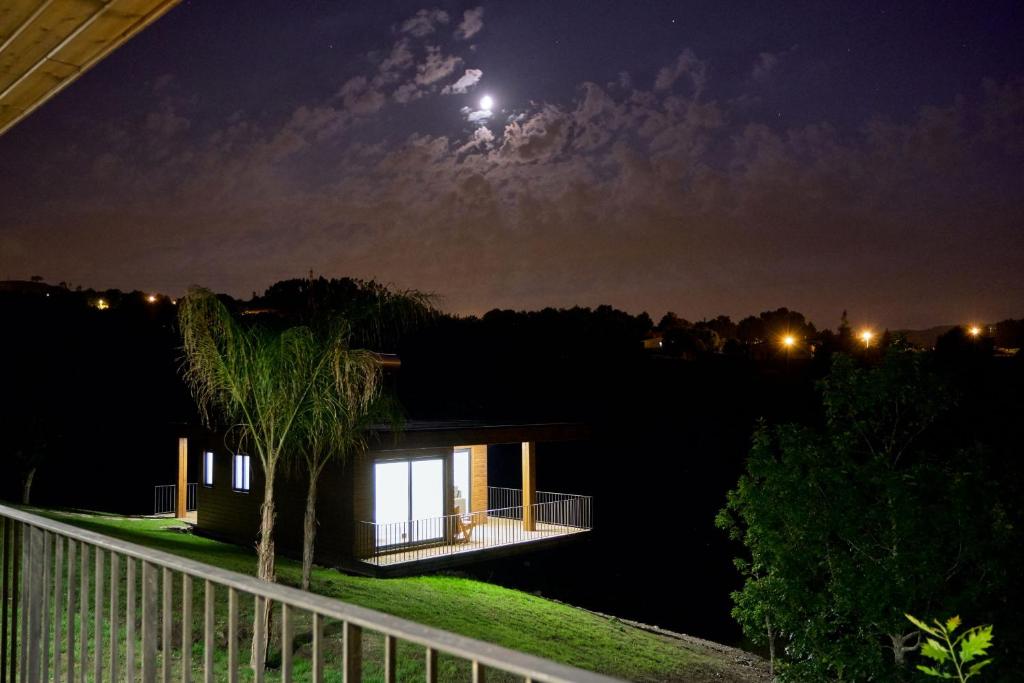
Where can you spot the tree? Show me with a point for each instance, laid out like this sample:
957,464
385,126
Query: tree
851,525
260,382
333,423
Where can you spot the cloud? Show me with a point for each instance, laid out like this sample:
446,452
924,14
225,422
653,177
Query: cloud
480,116
764,65
424,22
643,198
407,92
361,96
436,66
686,65
465,82
472,23
399,59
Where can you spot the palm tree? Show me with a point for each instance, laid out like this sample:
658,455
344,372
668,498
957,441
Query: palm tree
333,425
263,384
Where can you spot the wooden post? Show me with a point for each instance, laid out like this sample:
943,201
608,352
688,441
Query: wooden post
182,477
478,480
529,484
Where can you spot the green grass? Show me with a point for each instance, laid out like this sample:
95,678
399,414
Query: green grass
480,610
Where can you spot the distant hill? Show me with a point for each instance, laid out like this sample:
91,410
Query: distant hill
924,338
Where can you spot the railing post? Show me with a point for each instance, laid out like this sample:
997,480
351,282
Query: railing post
233,635
259,654
72,546
186,629
115,616
149,614
97,617
5,576
431,665
34,606
58,602
352,653
165,627
26,585
83,612
129,619
208,646
389,659
286,643
318,648
44,671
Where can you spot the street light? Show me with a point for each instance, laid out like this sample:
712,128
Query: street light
151,298
788,341
866,336
974,331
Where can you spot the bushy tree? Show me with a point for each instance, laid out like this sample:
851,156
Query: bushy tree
851,525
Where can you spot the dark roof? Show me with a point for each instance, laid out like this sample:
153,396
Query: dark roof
444,433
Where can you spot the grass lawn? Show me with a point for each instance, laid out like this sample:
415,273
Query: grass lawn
473,608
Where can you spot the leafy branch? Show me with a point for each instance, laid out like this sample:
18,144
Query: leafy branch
952,654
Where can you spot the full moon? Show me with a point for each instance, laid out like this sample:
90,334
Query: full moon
486,102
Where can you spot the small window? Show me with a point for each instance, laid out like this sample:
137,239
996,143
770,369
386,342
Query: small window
208,468
240,473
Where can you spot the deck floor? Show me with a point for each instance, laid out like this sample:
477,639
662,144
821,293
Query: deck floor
497,533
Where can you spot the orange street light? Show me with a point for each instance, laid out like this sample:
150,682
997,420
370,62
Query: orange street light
789,341
974,331
866,336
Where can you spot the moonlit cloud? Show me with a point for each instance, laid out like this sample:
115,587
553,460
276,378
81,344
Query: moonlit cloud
472,23
478,116
436,66
424,22
465,82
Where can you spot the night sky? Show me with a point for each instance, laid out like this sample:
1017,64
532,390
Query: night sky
701,157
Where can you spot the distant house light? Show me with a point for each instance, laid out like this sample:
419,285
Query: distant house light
208,468
240,473
102,304
151,298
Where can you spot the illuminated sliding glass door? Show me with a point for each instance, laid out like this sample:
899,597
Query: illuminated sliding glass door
409,501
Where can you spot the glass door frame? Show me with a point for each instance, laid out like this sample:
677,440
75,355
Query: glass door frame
446,456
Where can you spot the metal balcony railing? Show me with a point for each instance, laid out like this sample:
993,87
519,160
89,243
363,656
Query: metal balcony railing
165,498
78,605
555,514
572,509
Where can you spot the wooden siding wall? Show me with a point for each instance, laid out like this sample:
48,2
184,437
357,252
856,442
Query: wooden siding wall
478,478
234,516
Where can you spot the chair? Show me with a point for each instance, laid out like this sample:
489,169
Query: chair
463,527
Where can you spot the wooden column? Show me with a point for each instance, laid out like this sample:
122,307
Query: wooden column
182,477
478,479
529,484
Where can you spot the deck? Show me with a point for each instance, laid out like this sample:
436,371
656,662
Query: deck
492,529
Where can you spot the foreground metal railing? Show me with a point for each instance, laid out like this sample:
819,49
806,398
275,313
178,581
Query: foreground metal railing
80,606
165,498
389,543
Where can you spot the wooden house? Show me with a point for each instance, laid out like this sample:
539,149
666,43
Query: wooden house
418,499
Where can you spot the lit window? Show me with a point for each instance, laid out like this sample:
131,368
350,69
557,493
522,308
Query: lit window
208,468
240,473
